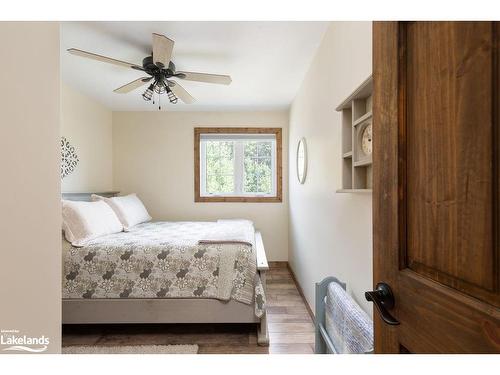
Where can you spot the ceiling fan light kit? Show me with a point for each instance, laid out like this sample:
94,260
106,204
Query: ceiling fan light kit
161,70
171,96
148,94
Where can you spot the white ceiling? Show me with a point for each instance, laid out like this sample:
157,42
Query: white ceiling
266,60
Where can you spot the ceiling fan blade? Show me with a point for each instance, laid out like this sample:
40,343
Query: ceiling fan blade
109,60
204,77
133,85
162,50
181,93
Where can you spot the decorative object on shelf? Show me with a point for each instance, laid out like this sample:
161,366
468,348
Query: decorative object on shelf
161,71
301,160
366,139
357,140
69,158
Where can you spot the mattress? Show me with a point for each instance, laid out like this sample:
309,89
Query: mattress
166,260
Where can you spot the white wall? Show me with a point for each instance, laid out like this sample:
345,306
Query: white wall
153,155
30,209
88,127
330,233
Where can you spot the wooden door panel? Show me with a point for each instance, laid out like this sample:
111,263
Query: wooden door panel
449,129
434,317
386,207
436,185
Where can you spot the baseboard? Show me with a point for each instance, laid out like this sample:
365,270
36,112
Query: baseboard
301,291
278,264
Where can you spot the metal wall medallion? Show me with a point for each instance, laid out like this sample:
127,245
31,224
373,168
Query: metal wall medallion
69,158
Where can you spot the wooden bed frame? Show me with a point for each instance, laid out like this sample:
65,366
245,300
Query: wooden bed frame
166,310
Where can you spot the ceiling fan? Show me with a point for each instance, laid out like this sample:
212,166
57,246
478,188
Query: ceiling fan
161,72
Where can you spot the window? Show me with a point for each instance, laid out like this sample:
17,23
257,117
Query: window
237,164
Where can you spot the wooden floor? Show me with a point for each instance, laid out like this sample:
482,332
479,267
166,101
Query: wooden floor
291,329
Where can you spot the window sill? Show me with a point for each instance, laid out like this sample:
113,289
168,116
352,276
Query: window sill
230,199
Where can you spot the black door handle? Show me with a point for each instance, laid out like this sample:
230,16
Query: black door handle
383,299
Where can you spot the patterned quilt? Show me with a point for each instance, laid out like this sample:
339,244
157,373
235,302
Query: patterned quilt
165,260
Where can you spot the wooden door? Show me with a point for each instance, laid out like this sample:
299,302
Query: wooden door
436,185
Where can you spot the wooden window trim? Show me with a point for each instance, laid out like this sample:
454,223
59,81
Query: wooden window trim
279,169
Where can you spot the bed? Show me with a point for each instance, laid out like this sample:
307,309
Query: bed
161,272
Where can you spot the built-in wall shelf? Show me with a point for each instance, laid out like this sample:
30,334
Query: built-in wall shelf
356,112
347,155
354,190
362,163
363,118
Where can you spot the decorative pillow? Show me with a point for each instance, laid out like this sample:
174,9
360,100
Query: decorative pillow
84,221
129,209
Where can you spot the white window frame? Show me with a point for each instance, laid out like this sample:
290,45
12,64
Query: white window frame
239,141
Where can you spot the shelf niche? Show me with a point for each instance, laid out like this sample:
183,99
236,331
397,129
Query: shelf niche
356,111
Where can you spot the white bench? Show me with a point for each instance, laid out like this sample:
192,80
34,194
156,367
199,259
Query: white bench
323,342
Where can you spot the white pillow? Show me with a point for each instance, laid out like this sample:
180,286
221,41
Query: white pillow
84,221
129,209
